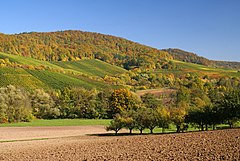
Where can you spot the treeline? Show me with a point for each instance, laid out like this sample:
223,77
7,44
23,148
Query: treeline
194,58
225,111
17,104
75,45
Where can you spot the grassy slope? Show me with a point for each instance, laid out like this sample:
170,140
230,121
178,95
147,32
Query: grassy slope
185,67
27,60
58,80
91,67
19,77
49,79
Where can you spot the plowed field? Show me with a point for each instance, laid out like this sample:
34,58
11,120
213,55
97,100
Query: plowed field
211,145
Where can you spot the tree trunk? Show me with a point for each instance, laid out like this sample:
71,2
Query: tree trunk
213,126
151,131
130,131
202,127
230,124
141,130
163,130
178,129
206,127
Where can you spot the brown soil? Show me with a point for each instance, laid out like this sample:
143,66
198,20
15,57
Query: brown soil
23,133
211,145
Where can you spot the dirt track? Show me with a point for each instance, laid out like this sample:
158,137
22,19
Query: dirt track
212,145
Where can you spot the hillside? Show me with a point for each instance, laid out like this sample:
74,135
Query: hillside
93,67
54,60
31,73
76,45
194,58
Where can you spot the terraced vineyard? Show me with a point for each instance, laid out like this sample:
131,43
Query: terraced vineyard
92,67
57,75
19,77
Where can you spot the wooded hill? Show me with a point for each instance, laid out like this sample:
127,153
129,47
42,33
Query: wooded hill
194,58
76,45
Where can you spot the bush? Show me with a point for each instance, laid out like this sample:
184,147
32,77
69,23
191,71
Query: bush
15,105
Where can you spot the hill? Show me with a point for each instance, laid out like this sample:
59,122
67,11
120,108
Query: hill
194,58
91,60
76,45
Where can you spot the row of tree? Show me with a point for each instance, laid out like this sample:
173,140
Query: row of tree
224,110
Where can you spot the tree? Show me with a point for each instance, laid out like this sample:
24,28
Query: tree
178,117
102,104
140,117
64,102
164,118
151,101
116,124
151,119
121,100
229,107
128,120
14,105
43,105
84,102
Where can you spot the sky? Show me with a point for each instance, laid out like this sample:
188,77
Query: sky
209,28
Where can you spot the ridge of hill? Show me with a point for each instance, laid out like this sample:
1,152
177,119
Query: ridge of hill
190,57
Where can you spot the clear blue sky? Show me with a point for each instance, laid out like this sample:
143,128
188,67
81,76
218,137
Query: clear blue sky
210,28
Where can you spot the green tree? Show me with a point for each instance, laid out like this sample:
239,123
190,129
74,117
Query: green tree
178,117
140,117
150,119
164,118
43,105
116,124
229,107
84,103
128,120
14,105
102,104
151,101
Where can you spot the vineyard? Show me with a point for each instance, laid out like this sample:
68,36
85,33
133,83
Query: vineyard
31,73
